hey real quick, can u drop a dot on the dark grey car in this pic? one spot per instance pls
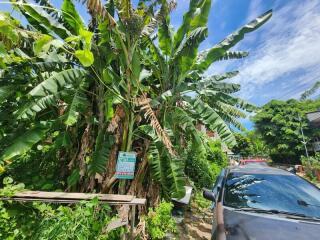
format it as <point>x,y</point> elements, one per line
<point>255,202</point>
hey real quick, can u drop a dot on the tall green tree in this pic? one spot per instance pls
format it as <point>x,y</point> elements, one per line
<point>278,124</point>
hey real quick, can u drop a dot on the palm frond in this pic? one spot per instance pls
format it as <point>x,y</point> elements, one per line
<point>6,91</point>
<point>200,16</point>
<point>158,167</point>
<point>158,17</point>
<point>165,169</point>
<point>184,121</point>
<point>57,82</point>
<point>235,101</point>
<point>310,91</point>
<point>42,21</point>
<point>164,33</point>
<point>228,99</point>
<point>77,106</point>
<point>71,18</point>
<point>228,109</point>
<point>224,76</point>
<point>219,50</point>
<point>155,53</point>
<point>101,154</point>
<point>197,16</point>
<point>211,118</point>
<point>229,114</point>
<point>124,7</point>
<point>30,109</point>
<point>211,83</point>
<point>177,176</point>
<point>234,55</point>
<point>95,7</point>
<point>144,103</point>
<point>187,51</point>
<point>24,143</point>
<point>233,121</point>
<point>49,8</point>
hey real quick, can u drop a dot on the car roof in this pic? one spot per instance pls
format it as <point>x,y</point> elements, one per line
<point>252,160</point>
<point>258,169</point>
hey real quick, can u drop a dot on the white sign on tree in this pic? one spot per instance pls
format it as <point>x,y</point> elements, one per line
<point>126,165</point>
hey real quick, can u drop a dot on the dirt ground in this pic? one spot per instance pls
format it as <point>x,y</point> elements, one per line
<point>196,224</point>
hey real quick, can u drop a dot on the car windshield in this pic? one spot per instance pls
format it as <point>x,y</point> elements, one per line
<point>287,193</point>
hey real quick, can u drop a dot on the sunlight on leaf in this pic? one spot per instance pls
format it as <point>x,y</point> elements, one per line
<point>85,57</point>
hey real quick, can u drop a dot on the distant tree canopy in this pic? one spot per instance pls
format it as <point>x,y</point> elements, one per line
<point>250,144</point>
<point>242,147</point>
<point>278,124</point>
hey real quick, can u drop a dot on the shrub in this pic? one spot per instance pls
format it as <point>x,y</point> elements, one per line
<point>312,161</point>
<point>16,221</point>
<point>85,220</point>
<point>199,171</point>
<point>7,224</point>
<point>215,170</point>
<point>204,164</point>
<point>200,201</point>
<point>159,221</point>
<point>9,188</point>
<point>216,155</point>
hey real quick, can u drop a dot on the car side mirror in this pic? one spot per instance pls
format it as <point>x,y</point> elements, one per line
<point>208,194</point>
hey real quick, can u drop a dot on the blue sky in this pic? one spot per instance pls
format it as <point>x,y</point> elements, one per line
<point>284,57</point>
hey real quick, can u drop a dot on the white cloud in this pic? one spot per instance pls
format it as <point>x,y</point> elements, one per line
<point>255,9</point>
<point>285,58</point>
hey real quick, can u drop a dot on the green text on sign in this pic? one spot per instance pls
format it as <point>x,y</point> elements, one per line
<point>126,165</point>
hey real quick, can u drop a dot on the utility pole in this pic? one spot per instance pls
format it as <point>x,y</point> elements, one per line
<point>303,138</point>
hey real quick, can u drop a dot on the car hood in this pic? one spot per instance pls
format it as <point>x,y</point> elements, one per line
<point>253,226</point>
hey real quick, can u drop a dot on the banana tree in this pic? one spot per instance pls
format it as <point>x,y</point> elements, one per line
<point>91,102</point>
<point>117,84</point>
<point>185,95</point>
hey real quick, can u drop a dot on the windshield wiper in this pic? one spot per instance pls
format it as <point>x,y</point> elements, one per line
<point>292,215</point>
<point>272,211</point>
<point>305,204</point>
